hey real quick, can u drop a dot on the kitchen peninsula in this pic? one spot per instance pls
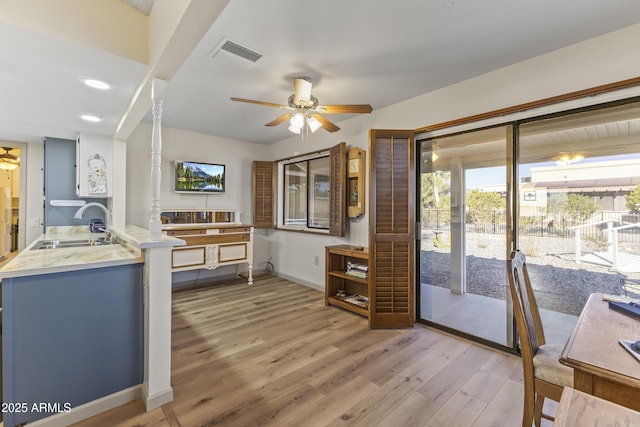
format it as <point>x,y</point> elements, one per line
<point>74,328</point>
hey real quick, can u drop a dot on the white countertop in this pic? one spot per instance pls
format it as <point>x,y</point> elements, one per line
<point>44,261</point>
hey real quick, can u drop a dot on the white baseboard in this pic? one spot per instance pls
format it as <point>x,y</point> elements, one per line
<point>301,281</point>
<point>158,399</point>
<point>90,409</point>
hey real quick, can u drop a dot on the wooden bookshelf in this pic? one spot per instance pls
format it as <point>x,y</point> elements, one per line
<point>355,288</point>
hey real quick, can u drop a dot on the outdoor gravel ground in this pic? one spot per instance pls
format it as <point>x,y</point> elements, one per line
<point>559,282</point>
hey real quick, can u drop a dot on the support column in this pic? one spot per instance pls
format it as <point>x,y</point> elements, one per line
<point>157,97</point>
<point>458,269</point>
<point>157,389</point>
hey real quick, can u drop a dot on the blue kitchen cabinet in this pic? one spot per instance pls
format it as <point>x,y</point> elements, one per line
<point>70,338</point>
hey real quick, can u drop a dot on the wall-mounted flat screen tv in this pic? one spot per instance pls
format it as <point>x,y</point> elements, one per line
<point>199,177</point>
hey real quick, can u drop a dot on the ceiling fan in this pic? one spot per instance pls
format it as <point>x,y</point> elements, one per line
<point>7,160</point>
<point>305,109</point>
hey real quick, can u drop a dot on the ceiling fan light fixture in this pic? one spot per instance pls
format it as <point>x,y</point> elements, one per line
<point>295,130</point>
<point>569,158</point>
<point>8,166</point>
<point>313,124</point>
<point>297,120</point>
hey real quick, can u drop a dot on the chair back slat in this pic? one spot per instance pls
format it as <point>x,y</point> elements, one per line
<point>525,307</point>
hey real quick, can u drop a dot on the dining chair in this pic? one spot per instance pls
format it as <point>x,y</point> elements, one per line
<point>631,287</point>
<point>544,375</point>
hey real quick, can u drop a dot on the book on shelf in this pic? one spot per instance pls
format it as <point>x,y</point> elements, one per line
<point>356,273</point>
<point>357,266</point>
<point>358,300</point>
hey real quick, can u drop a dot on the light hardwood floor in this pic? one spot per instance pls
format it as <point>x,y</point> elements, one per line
<point>273,354</point>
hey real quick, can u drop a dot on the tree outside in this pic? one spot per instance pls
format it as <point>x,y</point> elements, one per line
<point>482,206</point>
<point>436,197</point>
<point>633,200</point>
<point>436,187</point>
<point>580,208</point>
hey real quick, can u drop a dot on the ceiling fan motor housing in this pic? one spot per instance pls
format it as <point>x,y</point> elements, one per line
<point>302,91</point>
<point>308,105</point>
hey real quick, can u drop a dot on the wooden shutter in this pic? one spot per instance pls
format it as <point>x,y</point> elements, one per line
<point>391,229</point>
<point>338,189</point>
<point>264,194</point>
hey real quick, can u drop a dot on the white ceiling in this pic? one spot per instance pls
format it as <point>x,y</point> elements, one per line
<point>355,51</point>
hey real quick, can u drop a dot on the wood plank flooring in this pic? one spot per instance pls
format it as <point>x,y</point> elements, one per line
<point>273,354</point>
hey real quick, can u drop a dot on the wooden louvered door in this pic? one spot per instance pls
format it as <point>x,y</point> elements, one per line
<point>264,194</point>
<point>391,229</point>
<point>337,193</point>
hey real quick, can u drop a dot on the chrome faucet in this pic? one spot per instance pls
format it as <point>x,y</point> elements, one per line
<point>107,227</point>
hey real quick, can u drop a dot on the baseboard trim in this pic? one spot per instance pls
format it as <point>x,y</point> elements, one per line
<point>89,409</point>
<point>157,400</point>
<point>301,281</point>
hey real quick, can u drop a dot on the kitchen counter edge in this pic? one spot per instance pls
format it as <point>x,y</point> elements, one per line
<point>46,261</point>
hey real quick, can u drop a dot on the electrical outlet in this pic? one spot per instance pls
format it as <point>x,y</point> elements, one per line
<point>35,222</point>
<point>317,260</point>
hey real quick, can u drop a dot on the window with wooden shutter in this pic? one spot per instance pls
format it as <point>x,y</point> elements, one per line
<point>263,194</point>
<point>312,193</point>
<point>391,228</point>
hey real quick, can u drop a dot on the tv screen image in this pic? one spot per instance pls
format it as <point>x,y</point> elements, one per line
<point>199,177</point>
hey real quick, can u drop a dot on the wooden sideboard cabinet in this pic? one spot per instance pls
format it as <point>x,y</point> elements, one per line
<point>347,278</point>
<point>213,239</point>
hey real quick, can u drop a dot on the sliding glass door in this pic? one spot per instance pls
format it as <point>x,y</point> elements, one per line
<point>578,222</point>
<point>465,234</point>
<point>563,188</point>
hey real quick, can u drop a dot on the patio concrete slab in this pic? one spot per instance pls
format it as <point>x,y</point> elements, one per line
<point>627,263</point>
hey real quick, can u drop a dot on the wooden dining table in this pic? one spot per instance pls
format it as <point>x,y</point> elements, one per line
<point>601,366</point>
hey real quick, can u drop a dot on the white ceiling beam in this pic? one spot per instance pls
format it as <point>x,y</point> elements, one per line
<point>169,49</point>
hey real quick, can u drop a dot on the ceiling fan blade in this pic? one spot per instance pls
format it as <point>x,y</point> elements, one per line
<point>268,104</point>
<point>329,126</point>
<point>279,120</point>
<point>345,109</point>
<point>301,90</point>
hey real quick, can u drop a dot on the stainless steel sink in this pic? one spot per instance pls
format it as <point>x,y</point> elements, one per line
<point>56,244</point>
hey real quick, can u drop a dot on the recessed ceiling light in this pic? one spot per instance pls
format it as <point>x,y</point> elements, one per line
<point>95,83</point>
<point>90,118</point>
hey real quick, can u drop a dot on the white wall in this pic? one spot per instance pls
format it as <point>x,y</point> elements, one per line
<point>31,202</point>
<point>117,203</point>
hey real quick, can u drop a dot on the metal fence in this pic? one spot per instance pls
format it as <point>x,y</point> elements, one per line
<point>553,225</point>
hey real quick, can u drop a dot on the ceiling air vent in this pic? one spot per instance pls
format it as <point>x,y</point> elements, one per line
<point>231,53</point>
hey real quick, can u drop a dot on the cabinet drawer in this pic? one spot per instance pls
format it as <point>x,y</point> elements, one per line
<point>234,230</point>
<point>186,232</point>
<point>228,253</point>
<point>215,238</point>
<point>187,257</point>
